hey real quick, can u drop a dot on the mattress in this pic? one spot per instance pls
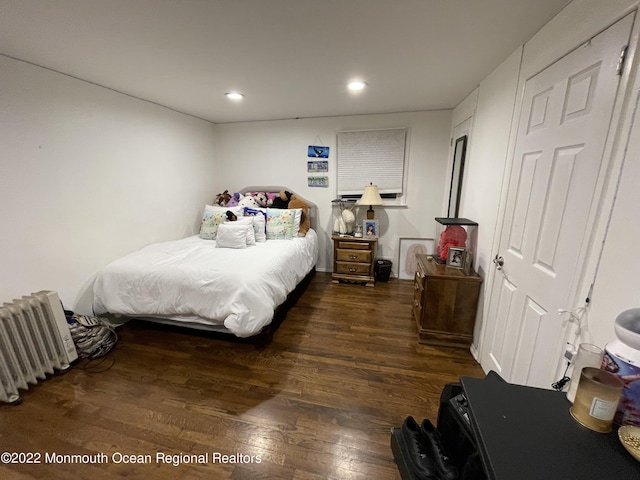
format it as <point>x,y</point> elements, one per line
<point>194,282</point>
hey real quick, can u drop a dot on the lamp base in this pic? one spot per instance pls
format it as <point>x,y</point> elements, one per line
<point>370,213</point>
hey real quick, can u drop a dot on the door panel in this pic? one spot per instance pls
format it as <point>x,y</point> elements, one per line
<point>565,118</point>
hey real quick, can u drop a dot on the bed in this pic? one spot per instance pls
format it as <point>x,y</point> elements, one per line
<point>194,282</point>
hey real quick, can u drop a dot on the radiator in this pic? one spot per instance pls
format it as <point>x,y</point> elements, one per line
<point>34,341</point>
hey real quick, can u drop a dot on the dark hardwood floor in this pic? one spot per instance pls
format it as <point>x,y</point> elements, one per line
<point>317,402</point>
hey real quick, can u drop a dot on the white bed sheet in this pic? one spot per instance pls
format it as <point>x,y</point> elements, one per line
<point>194,281</point>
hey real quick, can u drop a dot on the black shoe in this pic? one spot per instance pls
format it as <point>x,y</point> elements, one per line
<point>443,465</point>
<point>411,442</point>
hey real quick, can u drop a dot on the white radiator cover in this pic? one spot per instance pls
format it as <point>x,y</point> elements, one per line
<point>34,341</point>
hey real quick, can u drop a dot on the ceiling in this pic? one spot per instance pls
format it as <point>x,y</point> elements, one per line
<point>290,58</point>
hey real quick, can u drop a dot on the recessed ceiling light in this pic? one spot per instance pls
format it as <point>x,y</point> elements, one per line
<point>356,85</point>
<point>234,96</point>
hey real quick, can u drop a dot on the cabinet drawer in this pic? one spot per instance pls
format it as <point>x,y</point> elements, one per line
<point>353,245</point>
<point>363,256</point>
<point>352,268</point>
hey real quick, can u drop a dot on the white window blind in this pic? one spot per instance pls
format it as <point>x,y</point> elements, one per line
<point>371,156</point>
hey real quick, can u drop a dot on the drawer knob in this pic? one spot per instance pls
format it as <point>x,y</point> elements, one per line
<point>353,257</point>
<point>352,270</point>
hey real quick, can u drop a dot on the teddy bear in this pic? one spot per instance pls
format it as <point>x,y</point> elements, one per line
<point>222,198</point>
<point>305,222</point>
<point>452,236</point>
<point>282,200</point>
<point>234,200</point>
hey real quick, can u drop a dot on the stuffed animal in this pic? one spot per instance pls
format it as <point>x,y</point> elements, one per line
<point>305,222</point>
<point>234,200</point>
<point>222,198</point>
<point>261,198</point>
<point>270,198</point>
<point>231,217</point>
<point>248,201</point>
<point>282,201</point>
<point>349,218</point>
<point>452,236</point>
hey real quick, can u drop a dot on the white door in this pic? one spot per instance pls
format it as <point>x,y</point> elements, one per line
<point>565,118</point>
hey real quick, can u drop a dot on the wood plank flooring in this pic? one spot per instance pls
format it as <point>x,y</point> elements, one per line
<point>317,402</point>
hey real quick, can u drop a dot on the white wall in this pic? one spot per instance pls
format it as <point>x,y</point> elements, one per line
<point>489,160</point>
<point>616,284</point>
<point>487,154</point>
<point>88,175</point>
<point>275,153</point>
<point>486,163</point>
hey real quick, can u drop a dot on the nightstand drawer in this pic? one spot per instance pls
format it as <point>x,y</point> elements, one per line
<point>362,256</point>
<point>353,244</point>
<point>350,268</point>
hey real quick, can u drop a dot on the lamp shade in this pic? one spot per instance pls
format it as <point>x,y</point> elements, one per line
<point>371,196</point>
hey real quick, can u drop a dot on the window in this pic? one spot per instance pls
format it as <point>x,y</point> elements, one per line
<point>371,156</point>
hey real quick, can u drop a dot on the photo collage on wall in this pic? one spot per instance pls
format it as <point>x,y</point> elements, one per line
<point>316,168</point>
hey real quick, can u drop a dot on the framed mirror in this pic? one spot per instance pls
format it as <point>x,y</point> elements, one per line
<point>456,176</point>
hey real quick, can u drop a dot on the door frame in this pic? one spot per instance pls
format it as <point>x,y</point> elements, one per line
<point>601,206</point>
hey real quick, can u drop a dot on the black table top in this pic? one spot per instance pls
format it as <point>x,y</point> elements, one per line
<point>528,433</point>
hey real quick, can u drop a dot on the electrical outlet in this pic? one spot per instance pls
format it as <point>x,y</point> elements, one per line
<point>570,352</point>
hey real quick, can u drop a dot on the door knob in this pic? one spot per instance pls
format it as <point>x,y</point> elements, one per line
<point>499,261</point>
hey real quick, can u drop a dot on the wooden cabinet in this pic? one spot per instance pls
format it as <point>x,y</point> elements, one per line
<point>444,303</point>
<point>353,259</point>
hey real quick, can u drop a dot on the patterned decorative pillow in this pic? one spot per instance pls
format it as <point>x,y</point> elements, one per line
<point>212,217</point>
<point>280,224</point>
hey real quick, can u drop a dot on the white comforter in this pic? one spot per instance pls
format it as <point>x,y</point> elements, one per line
<point>193,280</point>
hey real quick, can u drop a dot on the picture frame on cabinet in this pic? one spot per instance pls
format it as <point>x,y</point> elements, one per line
<point>455,257</point>
<point>370,228</point>
<point>409,248</point>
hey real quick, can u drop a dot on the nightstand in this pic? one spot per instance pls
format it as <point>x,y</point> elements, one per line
<point>353,259</point>
<point>444,303</point>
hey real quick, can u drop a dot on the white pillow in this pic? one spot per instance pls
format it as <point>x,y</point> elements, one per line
<point>296,222</point>
<point>232,235</point>
<point>251,234</point>
<point>259,226</point>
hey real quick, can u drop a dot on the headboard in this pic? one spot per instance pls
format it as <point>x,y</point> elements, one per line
<point>313,209</point>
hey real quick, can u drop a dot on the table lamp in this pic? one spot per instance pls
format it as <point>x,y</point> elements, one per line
<point>370,197</point>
